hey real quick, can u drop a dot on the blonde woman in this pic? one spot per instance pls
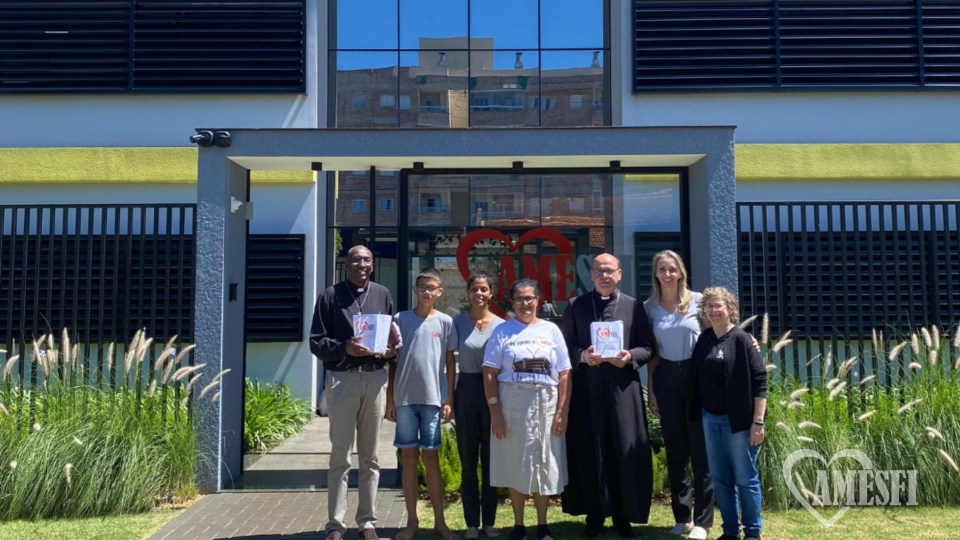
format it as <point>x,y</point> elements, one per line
<point>672,310</point>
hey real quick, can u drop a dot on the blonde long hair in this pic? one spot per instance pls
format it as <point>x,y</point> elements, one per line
<point>686,295</point>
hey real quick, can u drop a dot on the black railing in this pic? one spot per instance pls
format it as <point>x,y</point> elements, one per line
<point>833,273</point>
<point>105,272</point>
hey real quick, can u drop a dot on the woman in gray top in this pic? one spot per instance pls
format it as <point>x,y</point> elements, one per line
<point>672,310</point>
<point>471,413</point>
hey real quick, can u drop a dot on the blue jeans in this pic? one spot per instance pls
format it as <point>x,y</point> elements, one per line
<point>418,425</point>
<point>733,465</point>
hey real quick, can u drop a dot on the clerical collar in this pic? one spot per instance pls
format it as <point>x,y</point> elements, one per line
<point>605,298</point>
<point>360,289</point>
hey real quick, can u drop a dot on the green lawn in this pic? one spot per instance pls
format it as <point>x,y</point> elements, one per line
<point>856,524</point>
<point>127,527</point>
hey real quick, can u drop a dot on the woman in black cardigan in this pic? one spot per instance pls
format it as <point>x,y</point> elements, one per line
<point>731,401</point>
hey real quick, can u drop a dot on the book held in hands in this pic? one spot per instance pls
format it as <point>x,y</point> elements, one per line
<point>607,338</point>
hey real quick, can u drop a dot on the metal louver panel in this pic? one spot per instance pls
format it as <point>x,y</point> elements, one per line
<point>853,42</point>
<point>697,44</point>
<point>236,46</point>
<point>275,287</point>
<point>64,46</point>
<point>941,42</point>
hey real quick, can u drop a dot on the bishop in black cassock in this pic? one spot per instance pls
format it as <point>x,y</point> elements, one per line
<point>608,446</point>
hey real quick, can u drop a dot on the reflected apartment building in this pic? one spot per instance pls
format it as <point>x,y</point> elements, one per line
<point>451,86</point>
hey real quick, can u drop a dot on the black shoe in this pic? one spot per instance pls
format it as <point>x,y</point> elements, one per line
<point>543,533</point>
<point>625,530</point>
<point>519,532</point>
<point>592,530</point>
<point>729,537</point>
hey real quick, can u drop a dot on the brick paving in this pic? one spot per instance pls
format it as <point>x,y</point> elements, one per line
<point>275,516</point>
<point>283,495</point>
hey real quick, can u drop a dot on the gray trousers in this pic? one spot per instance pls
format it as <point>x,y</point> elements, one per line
<point>356,402</point>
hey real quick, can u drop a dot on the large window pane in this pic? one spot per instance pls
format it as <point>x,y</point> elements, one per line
<point>571,88</point>
<point>511,24</point>
<point>367,89</point>
<point>504,88</point>
<point>433,24</point>
<point>571,24</point>
<point>438,201</point>
<point>352,205</point>
<point>433,89</point>
<point>367,24</point>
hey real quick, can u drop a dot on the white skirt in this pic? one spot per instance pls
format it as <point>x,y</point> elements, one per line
<point>530,459</point>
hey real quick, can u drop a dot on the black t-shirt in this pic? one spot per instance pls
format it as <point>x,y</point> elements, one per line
<point>713,387</point>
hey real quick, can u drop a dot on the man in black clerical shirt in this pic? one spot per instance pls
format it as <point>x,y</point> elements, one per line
<point>608,448</point>
<point>355,389</point>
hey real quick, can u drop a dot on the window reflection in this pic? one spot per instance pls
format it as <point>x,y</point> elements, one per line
<point>571,88</point>
<point>511,24</point>
<point>571,24</point>
<point>502,85</point>
<point>366,89</point>
<point>434,86</point>
<point>436,76</point>
<point>435,19</point>
<point>367,24</point>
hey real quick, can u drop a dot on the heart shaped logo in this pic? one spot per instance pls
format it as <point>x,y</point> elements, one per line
<point>542,342</point>
<point>789,477</point>
<point>603,333</point>
<point>539,272</point>
<point>362,326</point>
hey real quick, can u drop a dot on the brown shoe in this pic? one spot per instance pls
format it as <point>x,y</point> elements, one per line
<point>368,534</point>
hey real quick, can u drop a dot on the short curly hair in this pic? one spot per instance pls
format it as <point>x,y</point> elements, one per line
<point>733,306</point>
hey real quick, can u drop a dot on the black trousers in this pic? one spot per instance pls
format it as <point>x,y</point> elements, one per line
<point>472,416</point>
<point>684,443</point>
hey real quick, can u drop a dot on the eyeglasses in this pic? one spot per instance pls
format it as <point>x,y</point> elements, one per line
<point>427,288</point>
<point>604,272</point>
<point>361,260</point>
<point>716,306</point>
<point>523,300</point>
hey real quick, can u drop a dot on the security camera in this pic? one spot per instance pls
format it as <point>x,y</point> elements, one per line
<point>203,138</point>
<point>222,139</point>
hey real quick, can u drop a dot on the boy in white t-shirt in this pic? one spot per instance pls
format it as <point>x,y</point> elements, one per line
<point>414,398</point>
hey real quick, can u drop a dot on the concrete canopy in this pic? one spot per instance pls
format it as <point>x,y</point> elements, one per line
<point>706,152</point>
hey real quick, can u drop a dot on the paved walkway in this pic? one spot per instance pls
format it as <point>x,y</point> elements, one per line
<point>282,495</point>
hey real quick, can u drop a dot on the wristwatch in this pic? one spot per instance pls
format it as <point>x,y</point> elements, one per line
<point>493,400</point>
<point>761,424</point>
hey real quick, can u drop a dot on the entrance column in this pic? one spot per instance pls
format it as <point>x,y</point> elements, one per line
<point>219,316</point>
<point>713,215</point>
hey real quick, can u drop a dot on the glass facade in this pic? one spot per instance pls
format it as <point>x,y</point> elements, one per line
<point>462,63</point>
<point>543,226</point>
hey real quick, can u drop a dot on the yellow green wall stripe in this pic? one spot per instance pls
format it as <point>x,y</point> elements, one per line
<point>115,165</point>
<point>847,161</point>
<point>754,162</point>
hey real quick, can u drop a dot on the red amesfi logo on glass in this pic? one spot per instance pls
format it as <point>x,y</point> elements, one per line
<point>603,333</point>
<point>537,270</point>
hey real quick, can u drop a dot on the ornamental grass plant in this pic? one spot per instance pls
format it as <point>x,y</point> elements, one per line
<point>910,421</point>
<point>76,443</point>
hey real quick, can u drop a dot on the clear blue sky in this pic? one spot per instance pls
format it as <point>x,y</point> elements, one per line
<point>372,24</point>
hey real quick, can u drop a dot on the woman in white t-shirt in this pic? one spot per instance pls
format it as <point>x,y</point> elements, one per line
<point>526,371</point>
<point>672,310</point>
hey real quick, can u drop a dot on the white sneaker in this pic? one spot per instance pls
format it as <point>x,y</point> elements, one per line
<point>681,528</point>
<point>698,533</point>
<point>491,531</point>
